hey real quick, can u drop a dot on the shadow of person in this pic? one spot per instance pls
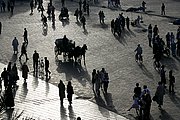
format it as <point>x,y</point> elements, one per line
<point>47,88</point>
<point>104,26</point>
<point>54,27</point>
<point>146,72</point>
<point>24,92</point>
<point>14,58</point>
<point>35,83</point>
<point>71,112</point>
<point>85,32</point>
<point>63,113</point>
<point>64,22</point>
<point>175,99</point>
<point>78,23</point>
<point>101,106</point>
<point>165,116</point>
<point>109,102</point>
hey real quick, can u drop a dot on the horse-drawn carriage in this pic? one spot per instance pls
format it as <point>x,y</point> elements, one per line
<point>64,14</point>
<point>69,51</point>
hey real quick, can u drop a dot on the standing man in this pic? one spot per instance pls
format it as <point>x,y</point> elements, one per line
<point>4,76</point>
<point>163,9</point>
<point>171,82</point>
<point>35,61</point>
<point>25,71</point>
<point>0,27</point>
<point>61,87</point>
<point>31,5</point>
<point>70,92</point>
<point>25,36</point>
<point>47,67</point>
<point>160,91</point>
<point>15,44</point>
<point>127,23</point>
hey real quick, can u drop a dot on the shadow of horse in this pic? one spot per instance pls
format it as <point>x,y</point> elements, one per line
<point>74,71</point>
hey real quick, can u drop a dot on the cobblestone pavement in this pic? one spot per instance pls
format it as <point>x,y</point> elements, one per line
<point>39,100</point>
<point>116,55</point>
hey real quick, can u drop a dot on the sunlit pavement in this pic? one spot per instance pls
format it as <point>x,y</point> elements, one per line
<point>115,54</point>
<point>37,99</point>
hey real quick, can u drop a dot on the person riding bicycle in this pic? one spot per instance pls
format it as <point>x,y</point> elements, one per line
<point>138,51</point>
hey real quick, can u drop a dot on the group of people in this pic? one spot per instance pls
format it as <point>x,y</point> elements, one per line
<point>119,24</point>
<point>100,79</point>
<point>101,17</point>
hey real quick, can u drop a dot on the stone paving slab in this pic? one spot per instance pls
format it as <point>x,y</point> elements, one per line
<point>38,99</point>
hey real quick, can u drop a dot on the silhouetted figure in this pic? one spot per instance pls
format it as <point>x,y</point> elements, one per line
<point>23,51</point>
<point>3,5</point>
<point>101,17</point>
<point>80,4</point>
<point>171,82</point>
<point>35,61</point>
<point>32,6</point>
<point>61,87</point>
<point>11,7</point>
<point>70,92</point>
<point>163,9</point>
<point>168,40</point>
<point>127,23</point>
<point>84,6</point>
<point>144,6</point>
<point>83,21</point>
<point>163,75</point>
<point>155,31</point>
<point>15,45</point>
<point>76,14</point>
<point>94,77</point>
<point>25,36</point>
<point>9,98</point>
<point>25,71</point>
<point>78,118</point>
<point>106,82</point>
<point>87,8</point>
<point>4,76</point>
<point>15,76</point>
<point>160,92</point>
<point>137,90</point>
<point>62,1</point>
<point>47,67</point>
<point>98,83</point>
<point>0,27</point>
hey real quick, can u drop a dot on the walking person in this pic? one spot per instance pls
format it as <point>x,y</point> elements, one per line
<point>23,51</point>
<point>15,45</point>
<point>160,91</point>
<point>3,5</point>
<point>15,76</point>
<point>106,82</point>
<point>0,27</point>
<point>94,77</point>
<point>35,61</point>
<point>31,6</point>
<point>70,92</point>
<point>76,14</point>
<point>9,98</point>
<point>155,31</point>
<point>25,71</point>
<point>98,83</point>
<point>25,36</point>
<point>168,40</point>
<point>47,68</point>
<point>4,76</point>
<point>163,9</point>
<point>83,21</point>
<point>137,90</point>
<point>127,23</point>
<point>61,87</point>
<point>163,75</point>
<point>171,82</point>
<point>11,8</point>
<point>150,38</point>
